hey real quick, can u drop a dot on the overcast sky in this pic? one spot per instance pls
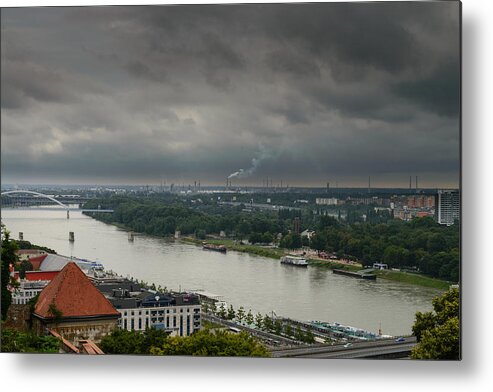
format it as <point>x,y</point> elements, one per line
<point>300,93</point>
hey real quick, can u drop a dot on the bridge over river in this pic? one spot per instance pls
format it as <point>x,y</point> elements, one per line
<point>42,198</point>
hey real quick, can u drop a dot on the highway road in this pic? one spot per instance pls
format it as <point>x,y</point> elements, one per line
<point>356,350</point>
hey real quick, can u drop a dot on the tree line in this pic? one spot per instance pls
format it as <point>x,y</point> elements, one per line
<point>202,343</point>
<point>421,244</point>
<point>261,322</point>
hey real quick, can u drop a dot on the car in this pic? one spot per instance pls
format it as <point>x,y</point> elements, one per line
<point>399,340</point>
<point>348,345</point>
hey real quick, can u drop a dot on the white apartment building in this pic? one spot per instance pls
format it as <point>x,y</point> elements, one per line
<point>447,206</point>
<point>178,320</point>
<point>330,201</point>
<point>27,290</point>
<point>177,313</point>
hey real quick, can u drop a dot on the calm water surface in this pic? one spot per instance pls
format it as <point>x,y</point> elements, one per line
<point>257,283</point>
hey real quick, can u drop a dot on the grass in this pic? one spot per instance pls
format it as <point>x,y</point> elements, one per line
<point>415,279</point>
<point>397,276</point>
<point>273,253</point>
<point>333,265</point>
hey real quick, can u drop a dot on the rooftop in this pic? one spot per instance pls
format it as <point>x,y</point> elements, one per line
<point>74,295</point>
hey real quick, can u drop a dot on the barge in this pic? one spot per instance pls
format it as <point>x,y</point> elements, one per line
<point>217,248</point>
<point>358,274</point>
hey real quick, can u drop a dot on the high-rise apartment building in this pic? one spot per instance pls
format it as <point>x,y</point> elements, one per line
<point>447,206</point>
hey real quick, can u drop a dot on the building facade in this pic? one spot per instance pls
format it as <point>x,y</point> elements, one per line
<point>326,201</point>
<point>447,206</point>
<point>177,313</point>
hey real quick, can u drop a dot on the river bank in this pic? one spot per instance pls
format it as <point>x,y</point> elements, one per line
<point>276,253</point>
<point>273,253</point>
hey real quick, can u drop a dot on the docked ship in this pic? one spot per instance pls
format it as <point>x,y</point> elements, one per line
<point>217,248</point>
<point>294,260</point>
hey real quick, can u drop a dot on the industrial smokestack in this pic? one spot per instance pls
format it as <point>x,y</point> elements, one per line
<point>369,184</point>
<point>410,182</point>
<point>416,183</point>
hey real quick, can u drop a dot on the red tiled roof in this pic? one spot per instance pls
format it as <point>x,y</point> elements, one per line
<point>41,275</point>
<point>36,261</point>
<point>74,295</point>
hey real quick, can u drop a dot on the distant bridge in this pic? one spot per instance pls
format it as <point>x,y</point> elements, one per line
<point>43,196</point>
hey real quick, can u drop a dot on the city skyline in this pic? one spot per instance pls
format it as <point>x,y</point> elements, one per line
<point>306,94</point>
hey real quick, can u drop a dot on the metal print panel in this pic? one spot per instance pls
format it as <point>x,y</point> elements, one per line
<point>257,180</point>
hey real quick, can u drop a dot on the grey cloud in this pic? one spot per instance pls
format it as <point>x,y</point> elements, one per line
<point>140,70</point>
<point>438,92</point>
<point>194,91</point>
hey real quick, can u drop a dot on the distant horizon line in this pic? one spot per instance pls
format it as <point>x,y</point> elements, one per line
<point>227,187</point>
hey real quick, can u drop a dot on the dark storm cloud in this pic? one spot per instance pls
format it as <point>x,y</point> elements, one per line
<point>308,92</point>
<point>439,92</point>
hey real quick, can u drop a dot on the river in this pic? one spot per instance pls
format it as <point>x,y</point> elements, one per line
<point>256,283</point>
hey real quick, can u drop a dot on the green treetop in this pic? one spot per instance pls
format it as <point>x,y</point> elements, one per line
<point>438,332</point>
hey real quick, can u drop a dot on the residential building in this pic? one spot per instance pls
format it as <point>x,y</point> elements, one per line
<point>447,206</point>
<point>33,283</point>
<point>296,225</point>
<point>331,201</point>
<point>420,201</point>
<point>177,313</point>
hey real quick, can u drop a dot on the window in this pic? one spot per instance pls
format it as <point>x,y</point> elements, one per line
<point>140,323</point>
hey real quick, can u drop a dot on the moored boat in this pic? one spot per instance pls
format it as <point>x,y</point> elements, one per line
<point>217,248</point>
<point>294,260</point>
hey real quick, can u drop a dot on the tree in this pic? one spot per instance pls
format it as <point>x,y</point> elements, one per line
<point>249,317</point>
<point>217,344</point>
<point>222,312</point>
<point>309,337</point>
<point>277,327</point>
<point>268,324</point>
<point>298,335</point>
<point>9,256</point>
<point>288,329</point>
<point>438,332</point>
<point>25,266</point>
<point>259,321</point>
<point>19,342</point>
<point>240,314</point>
<point>121,341</point>
<point>231,313</point>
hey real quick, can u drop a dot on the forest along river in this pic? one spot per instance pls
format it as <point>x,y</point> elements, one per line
<point>257,283</point>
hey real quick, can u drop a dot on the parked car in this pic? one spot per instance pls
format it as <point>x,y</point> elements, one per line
<point>348,345</point>
<point>399,340</point>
